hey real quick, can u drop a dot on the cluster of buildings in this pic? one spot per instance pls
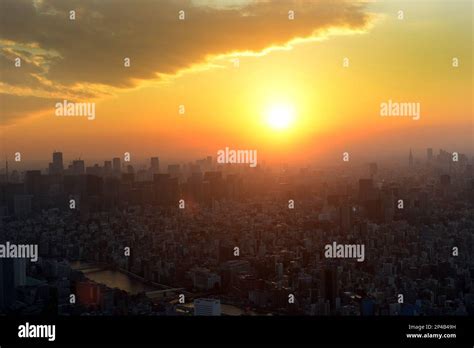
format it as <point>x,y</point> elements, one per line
<point>252,238</point>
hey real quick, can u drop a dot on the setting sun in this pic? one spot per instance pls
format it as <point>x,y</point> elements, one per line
<point>280,116</point>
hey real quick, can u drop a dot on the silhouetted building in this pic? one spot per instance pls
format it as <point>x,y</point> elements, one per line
<point>154,165</point>
<point>56,167</point>
<point>107,168</point>
<point>116,165</point>
<point>429,154</point>
<point>78,167</point>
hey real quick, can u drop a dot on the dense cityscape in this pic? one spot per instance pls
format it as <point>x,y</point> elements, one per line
<point>205,238</point>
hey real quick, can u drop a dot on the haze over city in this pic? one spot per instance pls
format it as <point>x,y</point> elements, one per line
<point>190,158</point>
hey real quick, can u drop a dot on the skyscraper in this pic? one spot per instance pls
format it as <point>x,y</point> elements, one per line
<point>78,167</point>
<point>57,166</point>
<point>429,154</point>
<point>116,165</point>
<point>107,168</point>
<point>410,159</point>
<point>154,165</point>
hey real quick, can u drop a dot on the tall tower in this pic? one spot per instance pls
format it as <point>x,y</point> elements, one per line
<point>410,159</point>
<point>57,167</point>
<point>154,165</point>
<point>116,165</point>
<point>429,154</point>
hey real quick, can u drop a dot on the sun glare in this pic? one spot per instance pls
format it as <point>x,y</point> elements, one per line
<point>280,116</point>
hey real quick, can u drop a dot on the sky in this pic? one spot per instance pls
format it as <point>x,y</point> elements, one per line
<point>235,66</point>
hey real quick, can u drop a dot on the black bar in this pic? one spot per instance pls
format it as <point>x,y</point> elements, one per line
<point>290,330</point>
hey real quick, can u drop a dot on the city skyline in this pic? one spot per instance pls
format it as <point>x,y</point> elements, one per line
<point>417,157</point>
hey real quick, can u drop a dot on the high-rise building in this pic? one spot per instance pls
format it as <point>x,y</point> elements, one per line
<point>78,167</point>
<point>57,165</point>
<point>207,307</point>
<point>388,204</point>
<point>410,159</point>
<point>429,154</point>
<point>154,165</point>
<point>116,165</point>
<point>107,168</point>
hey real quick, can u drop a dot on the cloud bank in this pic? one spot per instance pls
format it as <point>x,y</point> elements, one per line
<point>83,58</point>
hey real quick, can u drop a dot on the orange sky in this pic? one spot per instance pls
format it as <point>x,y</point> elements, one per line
<point>281,62</point>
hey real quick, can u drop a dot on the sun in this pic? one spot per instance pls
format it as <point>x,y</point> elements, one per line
<point>280,116</point>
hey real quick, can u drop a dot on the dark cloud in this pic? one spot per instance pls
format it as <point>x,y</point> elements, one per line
<point>91,49</point>
<point>18,76</point>
<point>14,106</point>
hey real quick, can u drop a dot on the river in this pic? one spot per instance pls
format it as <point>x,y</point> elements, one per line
<point>111,278</point>
<point>117,279</point>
